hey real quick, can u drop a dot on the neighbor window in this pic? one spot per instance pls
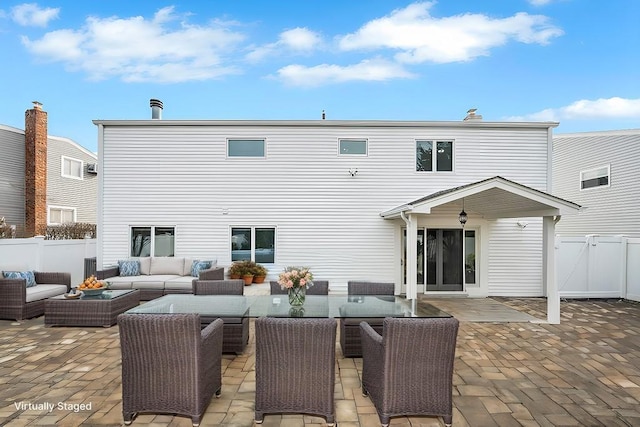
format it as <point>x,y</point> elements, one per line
<point>245,148</point>
<point>442,161</point>
<point>253,243</point>
<point>60,215</point>
<point>71,168</point>
<point>162,243</point>
<point>352,147</point>
<point>598,177</point>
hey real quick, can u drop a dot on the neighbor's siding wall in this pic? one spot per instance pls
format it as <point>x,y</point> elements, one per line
<point>610,210</point>
<point>180,176</point>
<point>12,177</point>
<point>69,192</point>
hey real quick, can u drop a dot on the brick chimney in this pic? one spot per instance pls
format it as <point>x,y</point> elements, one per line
<point>35,173</point>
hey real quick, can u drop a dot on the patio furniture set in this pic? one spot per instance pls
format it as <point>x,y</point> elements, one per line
<point>407,353</point>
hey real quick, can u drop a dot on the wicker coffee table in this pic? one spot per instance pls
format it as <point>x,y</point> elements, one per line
<point>101,310</point>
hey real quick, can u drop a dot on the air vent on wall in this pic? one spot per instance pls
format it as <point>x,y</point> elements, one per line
<point>92,168</point>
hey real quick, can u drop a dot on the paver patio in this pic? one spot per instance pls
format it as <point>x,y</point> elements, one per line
<point>583,372</point>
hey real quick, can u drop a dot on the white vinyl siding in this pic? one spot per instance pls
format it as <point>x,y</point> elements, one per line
<point>12,177</point>
<point>608,210</point>
<point>326,219</point>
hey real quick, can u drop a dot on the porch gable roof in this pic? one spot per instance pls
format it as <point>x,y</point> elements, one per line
<point>493,198</point>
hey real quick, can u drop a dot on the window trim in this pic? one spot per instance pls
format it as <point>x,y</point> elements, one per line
<point>608,175</point>
<point>62,208</point>
<point>72,159</point>
<point>434,158</point>
<point>252,243</point>
<point>264,148</point>
<point>366,147</point>
<point>152,248</point>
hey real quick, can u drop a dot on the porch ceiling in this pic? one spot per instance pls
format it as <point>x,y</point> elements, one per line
<point>492,198</point>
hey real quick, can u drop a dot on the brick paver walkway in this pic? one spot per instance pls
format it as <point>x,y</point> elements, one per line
<point>583,372</point>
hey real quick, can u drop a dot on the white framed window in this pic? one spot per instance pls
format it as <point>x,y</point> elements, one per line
<point>597,177</point>
<point>71,168</point>
<point>246,148</point>
<point>352,147</point>
<point>152,241</point>
<point>434,156</point>
<point>253,243</point>
<point>61,215</point>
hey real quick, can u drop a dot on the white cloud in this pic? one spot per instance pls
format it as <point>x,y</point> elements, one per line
<point>419,37</point>
<point>609,108</point>
<point>297,40</point>
<point>367,70</point>
<point>539,2</point>
<point>30,14</point>
<point>138,49</point>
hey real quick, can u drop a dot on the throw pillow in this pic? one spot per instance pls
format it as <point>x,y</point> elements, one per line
<point>28,276</point>
<point>129,267</point>
<point>198,266</point>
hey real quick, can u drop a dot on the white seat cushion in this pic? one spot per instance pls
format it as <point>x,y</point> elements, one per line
<point>182,282</point>
<point>44,291</point>
<point>154,281</point>
<point>167,265</point>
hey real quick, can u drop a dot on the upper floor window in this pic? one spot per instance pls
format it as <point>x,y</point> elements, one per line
<point>598,177</point>
<point>442,161</point>
<point>352,147</point>
<point>245,148</point>
<point>253,243</point>
<point>61,215</point>
<point>71,168</point>
<point>152,241</point>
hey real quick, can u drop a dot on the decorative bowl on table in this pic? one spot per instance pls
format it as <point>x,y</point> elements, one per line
<point>94,290</point>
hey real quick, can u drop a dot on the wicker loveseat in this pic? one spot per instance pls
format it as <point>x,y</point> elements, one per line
<point>18,301</point>
<point>157,276</point>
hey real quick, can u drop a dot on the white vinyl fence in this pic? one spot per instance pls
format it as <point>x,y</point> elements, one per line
<point>598,267</point>
<point>47,255</point>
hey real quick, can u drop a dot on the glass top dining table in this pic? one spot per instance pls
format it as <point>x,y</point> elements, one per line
<point>336,306</point>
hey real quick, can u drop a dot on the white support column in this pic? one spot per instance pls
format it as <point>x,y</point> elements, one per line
<point>412,256</point>
<point>549,263</point>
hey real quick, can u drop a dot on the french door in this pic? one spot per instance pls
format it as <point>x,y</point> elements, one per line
<point>441,264</point>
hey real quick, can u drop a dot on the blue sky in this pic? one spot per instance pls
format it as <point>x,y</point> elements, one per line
<point>572,61</point>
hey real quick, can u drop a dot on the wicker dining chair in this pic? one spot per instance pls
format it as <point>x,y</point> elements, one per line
<point>350,327</point>
<point>320,287</point>
<point>295,366</point>
<point>409,369</point>
<point>169,365</point>
<point>236,329</point>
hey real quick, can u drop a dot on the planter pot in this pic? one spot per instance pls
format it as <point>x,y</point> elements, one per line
<point>248,279</point>
<point>258,279</point>
<point>234,276</point>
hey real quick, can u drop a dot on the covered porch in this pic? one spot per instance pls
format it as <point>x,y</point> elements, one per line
<point>480,206</point>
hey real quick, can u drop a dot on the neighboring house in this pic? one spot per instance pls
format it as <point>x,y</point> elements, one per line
<point>599,170</point>
<point>339,197</point>
<point>34,164</point>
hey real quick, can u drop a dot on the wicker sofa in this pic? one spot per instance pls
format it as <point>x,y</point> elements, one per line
<point>159,276</point>
<point>18,301</point>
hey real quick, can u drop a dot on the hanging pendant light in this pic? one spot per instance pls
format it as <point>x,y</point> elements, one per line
<point>462,216</point>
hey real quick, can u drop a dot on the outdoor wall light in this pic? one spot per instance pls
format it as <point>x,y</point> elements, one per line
<point>353,172</point>
<point>462,216</point>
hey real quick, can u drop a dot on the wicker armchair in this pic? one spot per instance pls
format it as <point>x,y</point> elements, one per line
<point>169,365</point>
<point>295,366</point>
<point>409,369</point>
<point>236,329</point>
<point>15,304</point>
<point>350,327</point>
<point>320,287</point>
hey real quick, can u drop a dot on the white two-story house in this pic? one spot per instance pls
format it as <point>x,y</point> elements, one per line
<point>353,200</point>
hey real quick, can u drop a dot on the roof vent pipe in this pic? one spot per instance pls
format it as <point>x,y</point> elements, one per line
<point>471,115</point>
<point>156,109</point>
